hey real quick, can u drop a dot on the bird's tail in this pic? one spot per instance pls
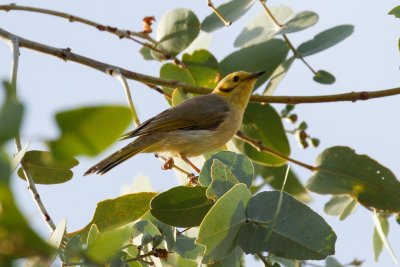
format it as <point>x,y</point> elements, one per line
<point>139,145</point>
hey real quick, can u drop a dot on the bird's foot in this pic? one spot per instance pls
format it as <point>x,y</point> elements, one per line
<point>193,179</point>
<point>168,164</point>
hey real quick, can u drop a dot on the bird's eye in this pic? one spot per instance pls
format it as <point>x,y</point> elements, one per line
<point>236,78</point>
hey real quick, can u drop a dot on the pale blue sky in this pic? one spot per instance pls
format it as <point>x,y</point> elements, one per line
<point>368,60</point>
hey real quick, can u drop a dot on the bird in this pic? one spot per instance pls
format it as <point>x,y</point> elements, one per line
<point>198,125</point>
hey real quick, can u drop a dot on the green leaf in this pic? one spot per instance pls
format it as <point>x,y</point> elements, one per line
<point>325,40</point>
<point>324,77</point>
<point>395,12</point>
<point>341,171</point>
<point>104,247</point>
<point>89,130</point>
<point>5,170</point>
<point>45,169</point>
<point>233,260</point>
<point>301,21</point>
<point>203,67</point>
<point>181,206</point>
<point>341,205</point>
<point>332,262</point>
<point>17,240</point>
<point>222,180</point>
<point>298,232</point>
<point>93,234</point>
<point>58,234</point>
<point>11,113</point>
<point>278,75</point>
<point>176,30</point>
<point>376,240</point>
<point>262,28</point>
<point>73,250</point>
<point>219,230</point>
<point>263,123</point>
<point>146,53</point>
<point>186,248</point>
<point>173,72</point>
<point>275,176</point>
<point>143,232</point>
<point>265,56</point>
<point>239,164</point>
<point>231,11</point>
<point>113,213</point>
<point>178,96</point>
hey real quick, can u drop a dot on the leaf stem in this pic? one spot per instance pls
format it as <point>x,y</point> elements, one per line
<point>117,74</point>
<point>220,16</point>
<point>270,14</point>
<point>257,144</point>
<point>66,54</point>
<point>29,179</point>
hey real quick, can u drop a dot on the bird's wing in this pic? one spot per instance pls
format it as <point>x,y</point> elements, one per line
<point>199,113</point>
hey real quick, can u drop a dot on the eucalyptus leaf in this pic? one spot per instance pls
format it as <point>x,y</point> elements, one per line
<point>324,77</point>
<point>263,123</point>
<point>266,56</point>
<point>341,205</point>
<point>89,130</point>
<point>238,164</point>
<point>176,30</point>
<point>278,75</point>
<point>45,169</point>
<point>296,232</point>
<point>181,206</point>
<point>219,230</point>
<point>222,180</point>
<point>275,177</point>
<point>113,213</point>
<point>186,247</point>
<point>231,11</point>
<point>262,28</point>
<point>341,171</point>
<point>395,12</point>
<point>325,40</point>
<point>301,21</point>
<point>376,240</point>
<point>104,247</point>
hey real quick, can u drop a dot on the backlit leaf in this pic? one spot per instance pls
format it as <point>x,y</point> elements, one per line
<point>341,171</point>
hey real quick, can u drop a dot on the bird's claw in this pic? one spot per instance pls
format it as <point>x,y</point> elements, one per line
<point>193,179</point>
<point>168,164</point>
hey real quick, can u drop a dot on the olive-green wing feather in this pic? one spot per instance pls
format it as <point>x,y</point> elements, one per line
<point>199,113</point>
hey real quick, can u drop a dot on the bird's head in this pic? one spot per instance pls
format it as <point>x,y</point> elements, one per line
<point>236,88</point>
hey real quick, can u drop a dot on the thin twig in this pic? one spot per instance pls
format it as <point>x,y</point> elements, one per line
<point>66,54</point>
<point>29,179</point>
<point>117,74</point>
<point>127,34</point>
<point>220,16</point>
<point>257,144</point>
<point>296,53</point>
<point>270,14</point>
<point>263,259</point>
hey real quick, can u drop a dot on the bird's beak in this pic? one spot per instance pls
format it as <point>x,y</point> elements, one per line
<point>255,75</point>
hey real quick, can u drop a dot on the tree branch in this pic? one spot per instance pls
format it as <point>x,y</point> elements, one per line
<point>219,15</point>
<point>257,144</point>
<point>127,34</point>
<point>31,184</point>
<point>66,54</point>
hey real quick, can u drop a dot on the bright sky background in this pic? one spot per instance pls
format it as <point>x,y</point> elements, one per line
<point>368,60</point>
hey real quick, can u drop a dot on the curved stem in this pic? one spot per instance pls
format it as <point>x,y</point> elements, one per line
<point>66,54</point>
<point>28,176</point>
<point>117,74</point>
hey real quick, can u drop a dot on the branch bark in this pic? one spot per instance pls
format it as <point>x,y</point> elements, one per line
<point>67,55</point>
